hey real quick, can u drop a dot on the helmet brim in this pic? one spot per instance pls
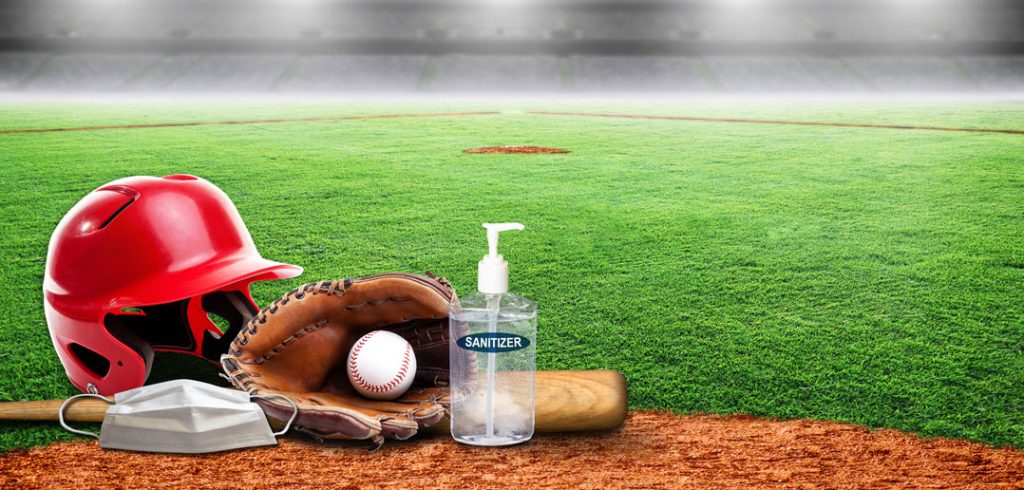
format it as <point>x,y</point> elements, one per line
<point>202,279</point>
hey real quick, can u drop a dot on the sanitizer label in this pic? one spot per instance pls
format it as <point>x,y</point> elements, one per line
<point>493,342</point>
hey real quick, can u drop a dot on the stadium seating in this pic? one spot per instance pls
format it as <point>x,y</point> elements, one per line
<point>459,46</point>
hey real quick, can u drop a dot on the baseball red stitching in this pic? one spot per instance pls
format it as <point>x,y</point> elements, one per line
<point>403,370</point>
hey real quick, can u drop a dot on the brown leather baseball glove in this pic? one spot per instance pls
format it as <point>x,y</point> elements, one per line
<point>298,346</point>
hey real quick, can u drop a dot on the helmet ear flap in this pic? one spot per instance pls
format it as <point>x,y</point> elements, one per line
<point>104,360</point>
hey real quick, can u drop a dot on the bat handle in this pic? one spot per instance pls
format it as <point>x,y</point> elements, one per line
<point>79,410</point>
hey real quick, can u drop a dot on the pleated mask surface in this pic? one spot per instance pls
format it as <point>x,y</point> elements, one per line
<point>182,416</point>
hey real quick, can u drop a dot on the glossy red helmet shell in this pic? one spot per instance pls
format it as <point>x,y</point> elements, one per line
<point>139,265</point>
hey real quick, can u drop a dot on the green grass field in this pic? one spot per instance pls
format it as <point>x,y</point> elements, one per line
<point>862,275</point>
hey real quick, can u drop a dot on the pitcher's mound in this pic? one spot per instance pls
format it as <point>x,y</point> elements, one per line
<point>515,150</point>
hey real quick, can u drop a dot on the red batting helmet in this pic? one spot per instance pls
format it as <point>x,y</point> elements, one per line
<point>139,265</point>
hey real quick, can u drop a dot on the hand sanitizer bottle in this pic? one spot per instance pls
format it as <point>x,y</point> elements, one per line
<point>493,356</point>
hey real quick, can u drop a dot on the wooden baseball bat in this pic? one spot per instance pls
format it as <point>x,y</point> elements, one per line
<point>566,401</point>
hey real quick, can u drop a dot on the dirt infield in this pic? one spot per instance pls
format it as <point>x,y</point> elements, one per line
<point>653,450</point>
<point>243,122</point>
<point>777,121</point>
<point>496,149</point>
<point>515,150</point>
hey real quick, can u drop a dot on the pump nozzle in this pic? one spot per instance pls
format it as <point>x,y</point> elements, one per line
<point>493,269</point>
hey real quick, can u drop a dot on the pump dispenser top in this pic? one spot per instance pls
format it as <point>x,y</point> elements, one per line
<point>493,269</point>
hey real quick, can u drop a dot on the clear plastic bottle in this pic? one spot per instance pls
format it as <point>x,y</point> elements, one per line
<point>493,357</point>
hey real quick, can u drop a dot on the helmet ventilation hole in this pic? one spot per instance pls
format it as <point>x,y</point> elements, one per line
<point>92,360</point>
<point>115,214</point>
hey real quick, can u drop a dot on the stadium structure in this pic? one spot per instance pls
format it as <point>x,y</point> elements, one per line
<point>557,46</point>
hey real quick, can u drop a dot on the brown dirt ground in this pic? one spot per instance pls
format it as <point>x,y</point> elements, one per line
<point>496,149</point>
<point>653,450</point>
<point>777,121</point>
<point>245,122</point>
<point>515,150</point>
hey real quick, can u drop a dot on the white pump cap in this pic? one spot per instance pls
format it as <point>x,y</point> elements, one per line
<point>493,269</point>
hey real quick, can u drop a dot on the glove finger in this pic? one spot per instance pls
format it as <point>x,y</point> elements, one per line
<point>334,421</point>
<point>397,419</point>
<point>424,411</point>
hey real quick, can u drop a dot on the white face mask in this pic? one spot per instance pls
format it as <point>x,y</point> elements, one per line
<point>182,416</point>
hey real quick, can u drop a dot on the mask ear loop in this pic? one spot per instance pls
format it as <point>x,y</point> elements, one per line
<point>60,414</point>
<point>290,402</point>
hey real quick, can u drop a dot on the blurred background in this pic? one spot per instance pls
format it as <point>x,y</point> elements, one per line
<point>592,47</point>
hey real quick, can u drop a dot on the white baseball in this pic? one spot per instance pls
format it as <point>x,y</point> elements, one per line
<point>381,365</point>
